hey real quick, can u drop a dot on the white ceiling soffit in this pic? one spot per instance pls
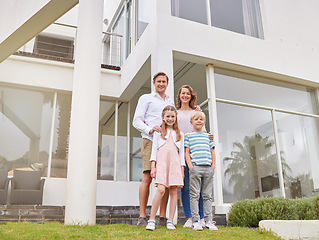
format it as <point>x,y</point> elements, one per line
<point>32,25</point>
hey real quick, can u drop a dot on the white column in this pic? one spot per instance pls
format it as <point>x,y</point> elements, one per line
<point>162,61</point>
<point>162,54</point>
<point>218,191</point>
<point>82,163</point>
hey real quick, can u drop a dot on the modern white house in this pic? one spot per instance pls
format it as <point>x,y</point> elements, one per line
<point>69,88</point>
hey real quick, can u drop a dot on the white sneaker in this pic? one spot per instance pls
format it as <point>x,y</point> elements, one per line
<point>197,226</point>
<point>202,222</point>
<point>150,225</point>
<point>188,223</point>
<point>211,225</point>
<point>170,225</point>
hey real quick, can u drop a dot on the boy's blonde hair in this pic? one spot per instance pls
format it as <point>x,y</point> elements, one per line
<point>198,114</point>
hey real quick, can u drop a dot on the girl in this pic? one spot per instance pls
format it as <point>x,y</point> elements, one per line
<point>167,164</point>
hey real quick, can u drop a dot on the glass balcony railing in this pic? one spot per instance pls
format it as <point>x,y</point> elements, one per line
<point>61,48</point>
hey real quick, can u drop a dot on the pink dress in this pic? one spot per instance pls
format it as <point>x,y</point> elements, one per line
<point>168,165</point>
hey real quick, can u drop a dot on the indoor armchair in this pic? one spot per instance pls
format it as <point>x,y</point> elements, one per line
<point>26,187</point>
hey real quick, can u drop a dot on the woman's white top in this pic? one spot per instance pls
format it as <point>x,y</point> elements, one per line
<point>158,141</point>
<point>184,121</point>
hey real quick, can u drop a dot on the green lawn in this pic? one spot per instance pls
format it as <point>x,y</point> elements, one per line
<point>53,230</point>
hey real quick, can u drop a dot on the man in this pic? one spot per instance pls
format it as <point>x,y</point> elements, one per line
<point>147,119</point>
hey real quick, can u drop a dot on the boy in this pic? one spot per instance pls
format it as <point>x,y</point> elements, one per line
<point>200,158</point>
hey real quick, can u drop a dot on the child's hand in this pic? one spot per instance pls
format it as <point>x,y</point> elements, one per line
<point>211,136</point>
<point>191,167</point>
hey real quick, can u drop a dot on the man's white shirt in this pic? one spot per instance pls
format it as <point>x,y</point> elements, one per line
<point>148,113</point>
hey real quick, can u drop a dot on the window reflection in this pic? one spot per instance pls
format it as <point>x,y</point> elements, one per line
<point>59,162</point>
<point>128,28</point>
<point>106,156</point>
<point>263,91</point>
<point>143,16</point>
<point>190,10</point>
<point>25,123</point>
<point>247,152</point>
<point>241,16</point>
<point>121,169</point>
<point>228,14</point>
<point>136,166</point>
<point>106,141</point>
<point>299,144</point>
<point>117,43</point>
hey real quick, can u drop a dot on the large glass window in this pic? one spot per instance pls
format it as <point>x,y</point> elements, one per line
<point>143,16</point>
<point>108,141</point>
<point>242,16</point>
<point>190,10</point>
<point>188,73</point>
<point>247,107</point>
<point>247,153</point>
<point>121,165</point>
<point>120,42</point>
<point>227,14</point>
<point>247,142</point>
<point>117,43</point>
<point>128,28</point>
<point>60,147</point>
<point>299,146</point>
<point>266,92</point>
<point>25,124</point>
<point>136,166</point>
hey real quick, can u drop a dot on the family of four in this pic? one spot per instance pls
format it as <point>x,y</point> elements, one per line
<point>178,153</point>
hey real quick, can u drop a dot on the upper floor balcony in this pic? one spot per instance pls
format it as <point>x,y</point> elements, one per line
<point>128,22</point>
<point>239,32</point>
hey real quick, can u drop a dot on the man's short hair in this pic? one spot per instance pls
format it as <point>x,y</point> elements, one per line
<point>160,74</point>
<point>198,114</point>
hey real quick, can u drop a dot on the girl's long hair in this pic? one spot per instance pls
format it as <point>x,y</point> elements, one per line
<point>193,100</point>
<point>175,125</point>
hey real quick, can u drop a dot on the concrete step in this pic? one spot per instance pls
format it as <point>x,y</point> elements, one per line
<point>292,229</point>
<point>104,214</point>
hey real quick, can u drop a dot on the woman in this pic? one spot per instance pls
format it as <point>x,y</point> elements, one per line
<point>186,103</point>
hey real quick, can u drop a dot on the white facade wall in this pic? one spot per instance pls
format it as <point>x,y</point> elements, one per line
<point>292,24</point>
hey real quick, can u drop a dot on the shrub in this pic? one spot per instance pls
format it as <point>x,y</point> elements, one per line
<point>248,212</point>
<point>306,208</point>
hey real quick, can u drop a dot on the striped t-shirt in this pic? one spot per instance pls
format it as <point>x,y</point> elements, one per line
<point>199,145</point>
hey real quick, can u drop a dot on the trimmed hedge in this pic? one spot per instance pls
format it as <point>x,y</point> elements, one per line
<point>248,212</point>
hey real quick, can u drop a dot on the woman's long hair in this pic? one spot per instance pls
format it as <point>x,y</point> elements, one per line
<point>175,125</point>
<point>193,100</point>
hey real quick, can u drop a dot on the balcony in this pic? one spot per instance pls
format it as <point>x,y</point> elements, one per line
<point>61,48</point>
